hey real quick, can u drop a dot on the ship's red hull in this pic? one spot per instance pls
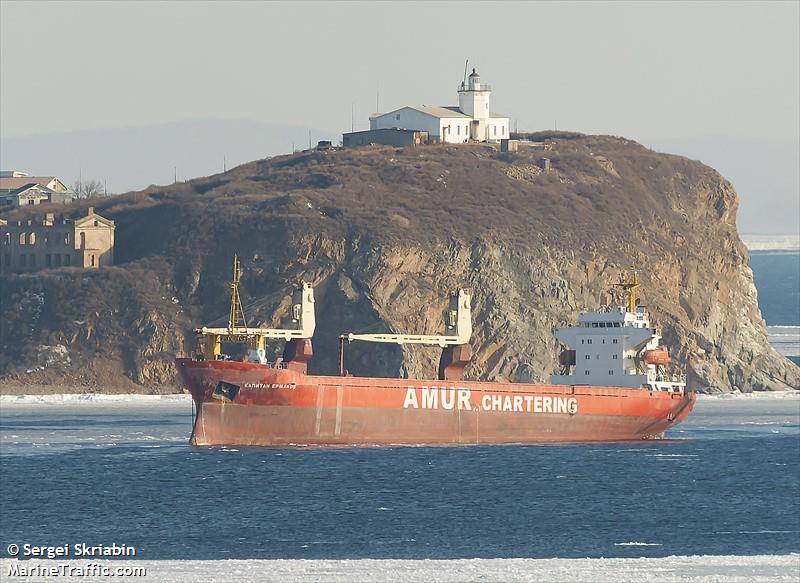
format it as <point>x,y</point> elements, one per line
<point>280,407</point>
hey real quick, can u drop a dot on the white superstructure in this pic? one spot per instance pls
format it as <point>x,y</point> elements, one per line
<point>616,347</point>
<point>472,119</point>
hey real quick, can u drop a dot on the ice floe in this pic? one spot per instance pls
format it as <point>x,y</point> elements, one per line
<point>692,569</point>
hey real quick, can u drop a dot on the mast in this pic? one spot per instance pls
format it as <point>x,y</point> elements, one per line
<point>630,289</point>
<point>236,312</point>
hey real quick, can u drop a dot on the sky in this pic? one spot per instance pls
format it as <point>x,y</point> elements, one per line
<point>656,72</point>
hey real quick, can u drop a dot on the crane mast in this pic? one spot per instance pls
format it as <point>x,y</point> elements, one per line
<point>457,324</point>
<point>237,331</point>
<point>456,351</point>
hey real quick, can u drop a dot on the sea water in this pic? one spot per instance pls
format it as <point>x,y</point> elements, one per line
<point>104,471</point>
<point>777,277</point>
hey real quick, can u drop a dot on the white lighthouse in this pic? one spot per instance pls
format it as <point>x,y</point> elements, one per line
<point>473,100</point>
<point>471,120</point>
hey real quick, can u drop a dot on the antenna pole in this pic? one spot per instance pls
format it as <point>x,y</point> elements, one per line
<point>224,163</point>
<point>466,66</point>
<point>352,116</point>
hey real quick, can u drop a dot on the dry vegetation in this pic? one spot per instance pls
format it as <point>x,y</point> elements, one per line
<point>604,195</point>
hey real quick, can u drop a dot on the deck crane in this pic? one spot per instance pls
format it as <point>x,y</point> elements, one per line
<point>454,342</point>
<point>298,337</point>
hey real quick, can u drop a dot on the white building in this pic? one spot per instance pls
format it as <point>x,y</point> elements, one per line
<point>19,189</point>
<point>472,119</point>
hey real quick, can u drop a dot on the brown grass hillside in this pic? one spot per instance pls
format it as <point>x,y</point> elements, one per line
<point>385,234</point>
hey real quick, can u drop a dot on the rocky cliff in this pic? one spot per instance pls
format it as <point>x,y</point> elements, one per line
<point>385,234</point>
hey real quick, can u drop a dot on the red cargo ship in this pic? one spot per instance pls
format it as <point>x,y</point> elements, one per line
<point>621,392</point>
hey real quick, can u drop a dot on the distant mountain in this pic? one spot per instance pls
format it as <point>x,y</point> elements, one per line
<point>136,157</point>
<point>765,173</point>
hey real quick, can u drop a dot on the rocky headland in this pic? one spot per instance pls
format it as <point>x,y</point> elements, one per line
<point>385,234</point>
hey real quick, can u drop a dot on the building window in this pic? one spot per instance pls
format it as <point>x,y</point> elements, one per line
<point>495,129</point>
<point>614,356</point>
<point>589,341</point>
<point>48,260</point>
<point>588,356</point>
<point>397,116</point>
<point>31,238</point>
<point>458,130</point>
<point>66,238</point>
<point>615,341</point>
<point>67,260</point>
<point>93,260</point>
<point>97,223</point>
<point>586,372</point>
<point>604,340</point>
<point>58,259</point>
<point>581,340</point>
<point>22,238</point>
<point>611,372</point>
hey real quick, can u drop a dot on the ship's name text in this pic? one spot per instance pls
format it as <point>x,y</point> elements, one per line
<point>269,385</point>
<point>461,398</point>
